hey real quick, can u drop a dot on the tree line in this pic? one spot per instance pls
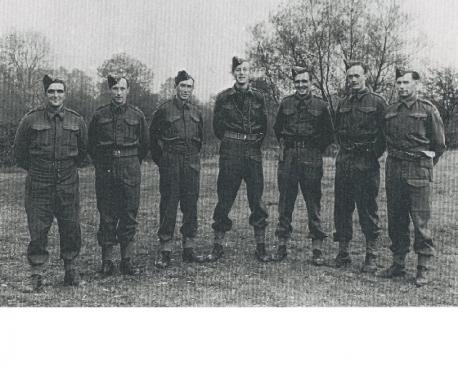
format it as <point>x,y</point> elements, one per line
<point>317,34</point>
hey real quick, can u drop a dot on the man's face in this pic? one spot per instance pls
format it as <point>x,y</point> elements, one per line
<point>184,89</point>
<point>242,73</point>
<point>119,92</point>
<point>302,83</point>
<point>56,95</point>
<point>356,77</point>
<point>406,86</point>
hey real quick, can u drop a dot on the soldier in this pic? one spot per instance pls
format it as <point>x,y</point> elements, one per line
<point>118,142</point>
<point>304,131</point>
<point>415,140</point>
<point>50,143</point>
<point>176,139</point>
<point>359,130</point>
<point>240,122</point>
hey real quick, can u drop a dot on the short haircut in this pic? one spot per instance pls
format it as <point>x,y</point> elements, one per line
<point>351,63</point>
<point>297,70</point>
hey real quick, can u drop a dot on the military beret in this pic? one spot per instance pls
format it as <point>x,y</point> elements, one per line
<point>47,81</point>
<point>296,70</point>
<point>236,61</point>
<point>351,63</point>
<point>401,73</point>
<point>113,80</point>
<point>182,76</point>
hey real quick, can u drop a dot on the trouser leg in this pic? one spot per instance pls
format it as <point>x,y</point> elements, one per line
<point>344,204</point>
<point>129,177</point>
<point>310,183</point>
<point>107,196</point>
<point>228,184</point>
<point>398,207</point>
<point>189,193</point>
<point>288,188</point>
<point>420,211</point>
<point>169,187</point>
<point>39,209</point>
<point>68,219</point>
<point>367,185</point>
<point>254,178</point>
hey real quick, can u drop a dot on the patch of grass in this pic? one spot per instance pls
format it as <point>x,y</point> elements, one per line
<point>238,280</point>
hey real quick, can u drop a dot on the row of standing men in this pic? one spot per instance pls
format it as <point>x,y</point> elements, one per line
<point>52,141</point>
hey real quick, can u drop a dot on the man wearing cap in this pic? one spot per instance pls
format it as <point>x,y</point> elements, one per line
<point>50,144</point>
<point>240,123</point>
<point>176,136</point>
<point>359,131</point>
<point>415,141</point>
<point>118,142</point>
<point>304,130</point>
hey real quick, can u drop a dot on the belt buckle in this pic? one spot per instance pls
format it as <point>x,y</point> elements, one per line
<point>117,153</point>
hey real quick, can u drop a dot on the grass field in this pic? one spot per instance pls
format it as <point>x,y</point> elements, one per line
<point>237,280</point>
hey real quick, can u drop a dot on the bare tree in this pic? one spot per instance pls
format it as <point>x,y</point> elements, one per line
<point>140,81</point>
<point>320,34</point>
<point>25,58</point>
<point>167,89</point>
<point>441,87</point>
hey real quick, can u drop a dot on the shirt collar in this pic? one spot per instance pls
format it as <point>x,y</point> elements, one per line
<point>234,90</point>
<point>180,104</point>
<point>118,109</point>
<point>303,99</point>
<point>359,94</point>
<point>408,102</point>
<point>53,113</point>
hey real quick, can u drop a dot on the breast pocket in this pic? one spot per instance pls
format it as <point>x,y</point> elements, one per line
<point>194,128</point>
<point>310,121</point>
<point>290,115</point>
<point>228,110</point>
<point>105,131</point>
<point>345,117</point>
<point>132,130</point>
<point>416,125</point>
<point>173,128</point>
<point>41,134</point>
<point>366,118</point>
<point>70,134</point>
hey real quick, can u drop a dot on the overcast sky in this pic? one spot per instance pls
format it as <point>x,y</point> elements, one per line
<point>198,35</point>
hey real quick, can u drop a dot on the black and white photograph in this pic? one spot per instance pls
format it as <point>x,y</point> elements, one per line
<point>258,161</point>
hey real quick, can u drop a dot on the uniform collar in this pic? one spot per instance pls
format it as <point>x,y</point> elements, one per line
<point>359,94</point>
<point>303,99</point>
<point>235,90</point>
<point>118,109</point>
<point>408,102</point>
<point>53,113</point>
<point>180,104</point>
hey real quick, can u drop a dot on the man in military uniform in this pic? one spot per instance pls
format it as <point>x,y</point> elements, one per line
<point>118,142</point>
<point>359,130</point>
<point>240,122</point>
<point>50,143</point>
<point>304,130</point>
<point>176,139</point>
<point>415,140</point>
